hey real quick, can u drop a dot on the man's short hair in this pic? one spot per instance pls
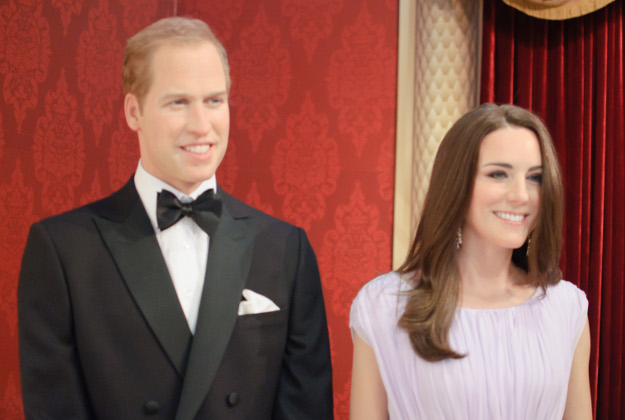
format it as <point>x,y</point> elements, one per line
<point>140,49</point>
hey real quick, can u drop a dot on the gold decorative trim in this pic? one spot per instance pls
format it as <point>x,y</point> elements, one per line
<point>404,147</point>
<point>438,81</point>
<point>557,9</point>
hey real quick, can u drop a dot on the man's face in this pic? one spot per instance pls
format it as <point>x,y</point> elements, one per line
<point>184,122</point>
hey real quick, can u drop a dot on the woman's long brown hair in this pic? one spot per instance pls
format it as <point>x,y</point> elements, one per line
<point>431,264</point>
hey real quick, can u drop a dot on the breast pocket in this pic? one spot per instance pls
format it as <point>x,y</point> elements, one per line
<point>266,319</point>
<point>261,337</point>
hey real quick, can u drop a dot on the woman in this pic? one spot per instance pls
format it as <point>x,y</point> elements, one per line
<point>477,323</point>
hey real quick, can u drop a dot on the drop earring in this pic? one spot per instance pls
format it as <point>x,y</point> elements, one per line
<point>529,242</point>
<point>459,238</point>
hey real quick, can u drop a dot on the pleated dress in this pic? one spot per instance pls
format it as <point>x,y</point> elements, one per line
<point>518,359</point>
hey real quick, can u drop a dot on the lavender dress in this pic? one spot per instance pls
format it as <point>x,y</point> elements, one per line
<point>518,358</point>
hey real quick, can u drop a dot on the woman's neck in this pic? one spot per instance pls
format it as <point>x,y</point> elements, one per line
<point>489,279</point>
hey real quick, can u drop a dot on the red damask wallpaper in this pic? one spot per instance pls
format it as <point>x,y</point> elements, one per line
<point>312,136</point>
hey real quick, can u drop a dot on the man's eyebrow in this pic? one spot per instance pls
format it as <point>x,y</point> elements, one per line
<point>182,94</point>
<point>173,95</point>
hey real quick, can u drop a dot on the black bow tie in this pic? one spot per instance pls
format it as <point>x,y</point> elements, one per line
<point>204,210</point>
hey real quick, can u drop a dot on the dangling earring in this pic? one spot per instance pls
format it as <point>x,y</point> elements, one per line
<point>459,238</point>
<point>529,242</point>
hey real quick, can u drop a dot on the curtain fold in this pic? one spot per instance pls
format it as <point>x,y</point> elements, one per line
<point>571,74</point>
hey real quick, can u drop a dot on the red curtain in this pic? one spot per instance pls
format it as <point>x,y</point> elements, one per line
<point>571,74</point>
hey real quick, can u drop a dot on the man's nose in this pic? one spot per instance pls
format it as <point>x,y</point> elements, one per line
<point>198,120</point>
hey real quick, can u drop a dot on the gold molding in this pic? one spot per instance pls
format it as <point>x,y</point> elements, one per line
<point>404,148</point>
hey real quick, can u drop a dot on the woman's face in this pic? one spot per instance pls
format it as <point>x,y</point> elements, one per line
<point>506,194</point>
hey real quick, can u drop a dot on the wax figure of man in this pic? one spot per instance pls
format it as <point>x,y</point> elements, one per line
<point>144,305</point>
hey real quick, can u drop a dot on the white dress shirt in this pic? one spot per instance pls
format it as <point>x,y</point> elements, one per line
<point>184,245</point>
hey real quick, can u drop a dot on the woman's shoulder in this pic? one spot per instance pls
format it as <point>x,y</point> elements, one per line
<point>383,286</point>
<point>565,291</point>
<point>566,302</point>
<point>378,306</point>
<point>565,307</point>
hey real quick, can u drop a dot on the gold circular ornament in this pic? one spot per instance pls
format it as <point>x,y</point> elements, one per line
<point>557,9</point>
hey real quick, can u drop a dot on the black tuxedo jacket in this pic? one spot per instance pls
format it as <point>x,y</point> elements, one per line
<point>102,334</point>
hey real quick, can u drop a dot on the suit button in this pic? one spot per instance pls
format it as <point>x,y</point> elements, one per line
<point>232,399</point>
<point>151,407</point>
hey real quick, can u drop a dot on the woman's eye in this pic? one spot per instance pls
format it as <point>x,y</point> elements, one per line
<point>537,178</point>
<point>497,174</point>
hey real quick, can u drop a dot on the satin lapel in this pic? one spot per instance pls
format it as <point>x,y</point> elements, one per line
<point>227,268</point>
<point>135,250</point>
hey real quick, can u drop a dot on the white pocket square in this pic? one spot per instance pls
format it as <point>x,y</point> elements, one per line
<point>255,303</point>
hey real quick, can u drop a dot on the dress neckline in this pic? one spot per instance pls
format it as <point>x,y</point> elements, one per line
<point>527,301</point>
<point>537,293</point>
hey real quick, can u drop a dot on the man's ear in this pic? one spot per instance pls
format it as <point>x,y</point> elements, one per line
<point>132,111</point>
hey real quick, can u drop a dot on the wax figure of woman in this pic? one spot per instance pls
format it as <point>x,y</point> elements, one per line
<point>477,323</point>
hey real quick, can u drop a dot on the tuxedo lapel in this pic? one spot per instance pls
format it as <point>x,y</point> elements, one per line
<point>227,269</point>
<point>133,245</point>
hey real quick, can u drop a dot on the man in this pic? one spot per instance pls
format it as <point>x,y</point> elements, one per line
<point>144,304</point>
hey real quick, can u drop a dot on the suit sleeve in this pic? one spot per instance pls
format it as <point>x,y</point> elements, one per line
<point>305,387</point>
<point>52,382</point>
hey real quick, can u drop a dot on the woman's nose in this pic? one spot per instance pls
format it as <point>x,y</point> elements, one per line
<point>518,191</point>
